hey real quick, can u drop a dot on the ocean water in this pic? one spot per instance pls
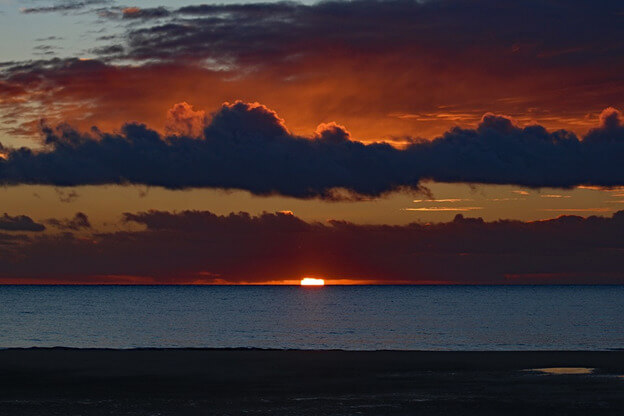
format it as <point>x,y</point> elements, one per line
<point>332,317</point>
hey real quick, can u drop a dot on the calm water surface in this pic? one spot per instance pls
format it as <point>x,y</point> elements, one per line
<point>352,317</point>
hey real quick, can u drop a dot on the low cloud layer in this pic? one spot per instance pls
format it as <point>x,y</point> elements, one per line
<point>201,247</point>
<point>248,146</point>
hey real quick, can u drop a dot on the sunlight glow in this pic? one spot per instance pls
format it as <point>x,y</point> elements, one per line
<point>309,281</point>
<point>564,370</point>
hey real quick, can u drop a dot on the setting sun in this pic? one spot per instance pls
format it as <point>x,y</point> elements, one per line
<point>309,281</point>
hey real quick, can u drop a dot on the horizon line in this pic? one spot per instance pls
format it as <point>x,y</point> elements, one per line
<point>306,287</point>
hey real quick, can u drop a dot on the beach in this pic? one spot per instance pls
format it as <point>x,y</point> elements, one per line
<point>61,381</point>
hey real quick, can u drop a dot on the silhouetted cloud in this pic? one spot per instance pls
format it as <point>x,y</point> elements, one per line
<point>66,197</point>
<point>145,13</point>
<point>63,6</point>
<point>19,223</point>
<point>248,146</point>
<point>198,246</point>
<point>9,240</point>
<point>80,221</point>
<point>285,30</point>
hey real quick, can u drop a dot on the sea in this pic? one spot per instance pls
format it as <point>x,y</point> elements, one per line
<point>314,318</point>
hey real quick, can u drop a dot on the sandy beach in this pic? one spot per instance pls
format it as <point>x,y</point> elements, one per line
<point>259,382</point>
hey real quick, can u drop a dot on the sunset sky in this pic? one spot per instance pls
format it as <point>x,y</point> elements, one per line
<point>432,141</point>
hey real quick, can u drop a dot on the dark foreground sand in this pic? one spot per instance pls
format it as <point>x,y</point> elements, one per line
<point>255,382</point>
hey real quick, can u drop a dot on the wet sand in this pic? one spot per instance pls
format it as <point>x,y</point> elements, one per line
<point>262,382</point>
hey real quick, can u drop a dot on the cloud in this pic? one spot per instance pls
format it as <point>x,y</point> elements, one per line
<point>442,209</point>
<point>451,200</point>
<point>19,223</point>
<point>248,146</point>
<point>310,62</point>
<point>184,121</point>
<point>198,246</point>
<point>145,13</point>
<point>289,30</point>
<point>63,6</point>
<point>66,197</point>
<point>79,222</point>
<point>576,209</point>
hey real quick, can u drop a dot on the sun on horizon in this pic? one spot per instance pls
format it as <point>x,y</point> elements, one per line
<point>310,281</point>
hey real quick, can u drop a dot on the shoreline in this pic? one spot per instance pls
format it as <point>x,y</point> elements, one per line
<point>68,381</point>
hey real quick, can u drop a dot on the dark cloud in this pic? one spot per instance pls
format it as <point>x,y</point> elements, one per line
<point>19,223</point>
<point>499,152</point>
<point>195,246</point>
<point>108,50</point>
<point>248,146</point>
<point>527,33</point>
<point>145,13</point>
<point>66,196</point>
<point>63,6</point>
<point>46,50</point>
<point>132,13</point>
<point>79,222</point>
<point>8,240</point>
<point>49,38</point>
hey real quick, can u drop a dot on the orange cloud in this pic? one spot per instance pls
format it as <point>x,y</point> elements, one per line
<point>131,10</point>
<point>87,93</point>
<point>315,65</point>
<point>184,121</point>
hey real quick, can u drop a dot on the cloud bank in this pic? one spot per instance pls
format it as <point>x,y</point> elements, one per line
<point>201,247</point>
<point>248,146</point>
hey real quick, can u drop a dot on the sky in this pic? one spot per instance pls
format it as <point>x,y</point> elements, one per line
<point>396,141</point>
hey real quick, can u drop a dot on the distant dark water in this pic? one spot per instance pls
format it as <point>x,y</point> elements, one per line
<point>353,317</point>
